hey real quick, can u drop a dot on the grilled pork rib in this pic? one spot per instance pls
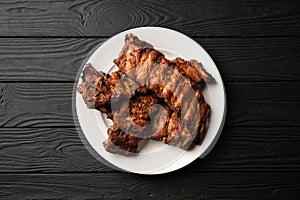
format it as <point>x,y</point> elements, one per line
<point>157,80</point>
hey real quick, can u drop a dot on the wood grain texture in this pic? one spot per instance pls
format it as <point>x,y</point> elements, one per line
<point>45,150</point>
<point>238,59</point>
<point>47,59</point>
<point>169,186</point>
<point>50,104</point>
<point>105,18</point>
<point>59,150</point>
<point>36,104</point>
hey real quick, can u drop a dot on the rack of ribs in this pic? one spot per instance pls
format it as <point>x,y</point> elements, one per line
<point>148,79</point>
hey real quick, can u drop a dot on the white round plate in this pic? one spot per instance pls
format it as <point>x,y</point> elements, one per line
<point>155,157</point>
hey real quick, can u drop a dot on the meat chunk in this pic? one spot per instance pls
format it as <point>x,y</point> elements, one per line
<point>171,81</point>
<point>136,53</point>
<point>120,142</point>
<point>165,103</point>
<point>142,112</point>
<point>95,89</point>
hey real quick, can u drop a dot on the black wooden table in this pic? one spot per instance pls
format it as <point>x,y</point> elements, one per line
<point>256,46</point>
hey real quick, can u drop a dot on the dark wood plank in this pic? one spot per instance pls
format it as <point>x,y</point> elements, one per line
<point>47,59</point>
<point>57,150</point>
<point>105,18</point>
<point>263,104</point>
<point>36,104</point>
<point>45,150</point>
<point>249,104</point>
<point>171,186</point>
<point>59,59</point>
<point>255,59</point>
